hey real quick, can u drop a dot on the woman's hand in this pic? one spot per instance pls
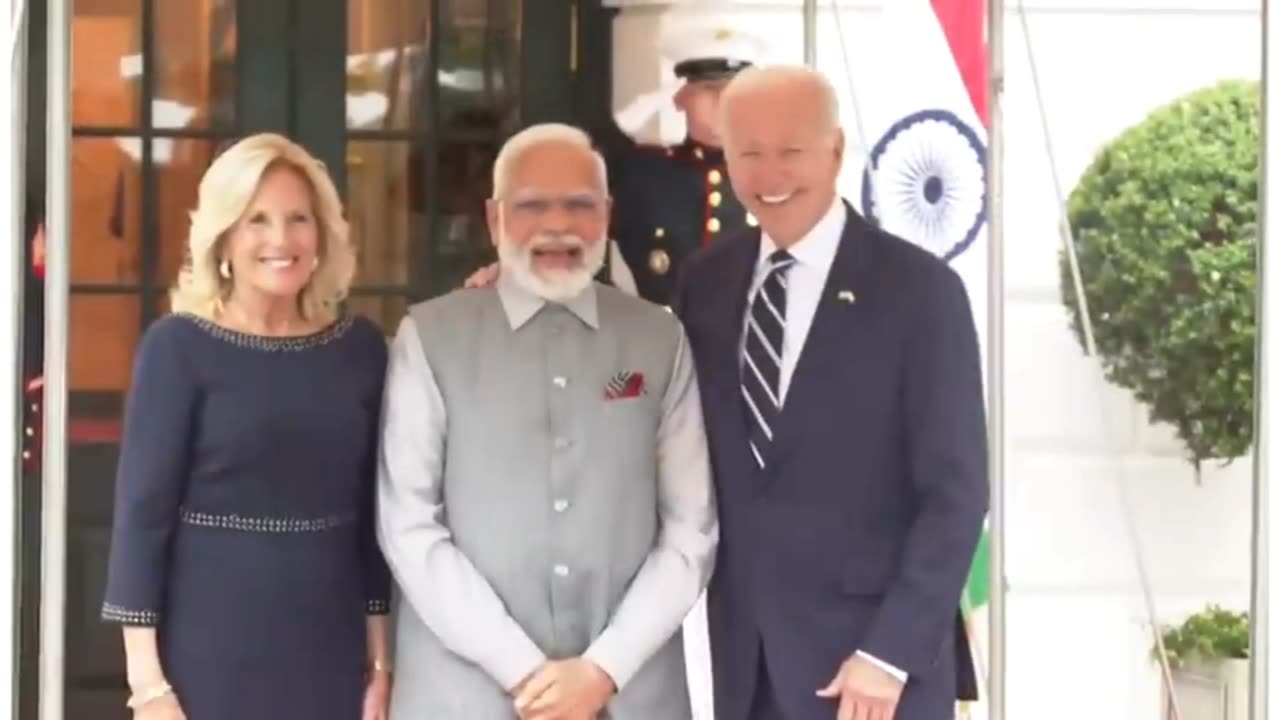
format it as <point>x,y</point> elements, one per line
<point>162,708</point>
<point>377,696</point>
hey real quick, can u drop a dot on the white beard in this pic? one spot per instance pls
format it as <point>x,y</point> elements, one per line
<point>554,284</point>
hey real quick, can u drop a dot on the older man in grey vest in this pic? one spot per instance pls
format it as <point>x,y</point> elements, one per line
<point>552,533</point>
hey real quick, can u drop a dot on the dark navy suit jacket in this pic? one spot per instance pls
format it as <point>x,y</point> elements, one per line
<point>860,533</point>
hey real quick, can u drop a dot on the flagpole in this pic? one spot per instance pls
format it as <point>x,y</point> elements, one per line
<point>1267,364</point>
<point>53,496</point>
<point>995,344</point>
<point>810,33</point>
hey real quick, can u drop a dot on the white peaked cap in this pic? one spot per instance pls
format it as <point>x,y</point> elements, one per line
<point>692,40</point>
<point>700,50</point>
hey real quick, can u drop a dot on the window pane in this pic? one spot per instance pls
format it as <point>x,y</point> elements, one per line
<point>387,62</point>
<point>480,60</point>
<point>179,165</point>
<point>106,203</point>
<point>106,62</point>
<point>386,207</point>
<point>103,332</point>
<point>195,64</point>
<point>386,310</point>
<point>461,243</point>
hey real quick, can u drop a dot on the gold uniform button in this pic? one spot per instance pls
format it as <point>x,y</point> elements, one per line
<point>659,232</point>
<point>714,198</point>
<point>659,262</point>
<point>751,220</point>
<point>697,152</point>
<point>713,225</point>
<point>713,177</point>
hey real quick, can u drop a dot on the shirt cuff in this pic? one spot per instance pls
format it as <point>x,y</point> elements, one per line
<point>608,653</point>
<point>514,665</point>
<point>895,672</point>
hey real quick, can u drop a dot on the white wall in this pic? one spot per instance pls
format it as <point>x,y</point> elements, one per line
<point>1077,631</point>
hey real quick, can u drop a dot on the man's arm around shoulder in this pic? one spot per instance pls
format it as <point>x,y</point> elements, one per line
<point>947,444</point>
<point>439,582</point>
<point>677,569</point>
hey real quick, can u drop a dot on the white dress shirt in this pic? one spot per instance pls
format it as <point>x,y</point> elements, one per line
<point>814,253</point>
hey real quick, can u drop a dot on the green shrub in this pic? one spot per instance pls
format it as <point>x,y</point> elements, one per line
<point>1211,634</point>
<point>1165,224</point>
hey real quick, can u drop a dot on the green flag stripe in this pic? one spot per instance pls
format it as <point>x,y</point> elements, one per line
<point>977,589</point>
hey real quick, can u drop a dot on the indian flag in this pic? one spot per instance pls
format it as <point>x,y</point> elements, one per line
<point>926,171</point>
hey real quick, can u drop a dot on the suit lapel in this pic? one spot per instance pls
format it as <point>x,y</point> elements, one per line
<point>840,318</point>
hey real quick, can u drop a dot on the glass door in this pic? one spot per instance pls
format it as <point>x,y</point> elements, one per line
<point>431,89</point>
<point>405,101</point>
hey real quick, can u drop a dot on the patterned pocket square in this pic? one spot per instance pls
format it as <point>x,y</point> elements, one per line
<point>627,384</point>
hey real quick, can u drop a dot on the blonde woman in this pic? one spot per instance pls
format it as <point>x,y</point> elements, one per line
<point>243,562</point>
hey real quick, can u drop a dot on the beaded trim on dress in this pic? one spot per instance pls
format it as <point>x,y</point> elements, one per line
<point>270,343</point>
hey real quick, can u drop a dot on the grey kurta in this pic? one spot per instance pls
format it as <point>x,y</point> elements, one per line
<point>554,513</point>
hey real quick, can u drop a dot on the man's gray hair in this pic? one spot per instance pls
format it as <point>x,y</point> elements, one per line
<point>763,77</point>
<point>536,135</point>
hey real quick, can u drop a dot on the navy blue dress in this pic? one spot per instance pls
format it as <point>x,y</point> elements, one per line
<point>244,526</point>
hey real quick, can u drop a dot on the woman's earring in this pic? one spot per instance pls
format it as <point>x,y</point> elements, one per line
<point>224,269</point>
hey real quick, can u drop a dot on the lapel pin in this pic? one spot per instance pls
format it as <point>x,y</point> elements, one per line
<point>846,296</point>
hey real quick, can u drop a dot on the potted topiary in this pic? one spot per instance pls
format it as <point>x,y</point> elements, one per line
<point>1164,222</point>
<point>1209,659</point>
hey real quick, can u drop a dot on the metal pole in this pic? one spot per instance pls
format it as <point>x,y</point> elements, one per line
<point>10,335</point>
<point>1267,363</point>
<point>995,340</point>
<point>53,535</point>
<point>811,33</point>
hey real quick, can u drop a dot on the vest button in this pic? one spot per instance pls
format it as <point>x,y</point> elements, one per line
<point>561,443</point>
<point>560,381</point>
<point>562,570</point>
<point>561,505</point>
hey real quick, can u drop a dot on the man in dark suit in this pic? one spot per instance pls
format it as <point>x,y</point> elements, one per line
<point>842,387</point>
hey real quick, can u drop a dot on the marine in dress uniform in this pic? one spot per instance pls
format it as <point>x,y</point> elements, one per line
<point>671,199</point>
<point>33,340</point>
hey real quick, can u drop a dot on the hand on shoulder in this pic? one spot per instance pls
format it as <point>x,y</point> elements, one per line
<point>484,277</point>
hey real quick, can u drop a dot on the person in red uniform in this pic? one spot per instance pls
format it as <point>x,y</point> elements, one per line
<point>671,199</point>
<point>33,335</point>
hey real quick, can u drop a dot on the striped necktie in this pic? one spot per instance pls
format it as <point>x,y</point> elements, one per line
<point>762,354</point>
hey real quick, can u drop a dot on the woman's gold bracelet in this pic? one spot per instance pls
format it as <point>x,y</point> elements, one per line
<point>149,695</point>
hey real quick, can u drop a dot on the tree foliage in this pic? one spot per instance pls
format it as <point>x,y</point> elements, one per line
<point>1165,227</point>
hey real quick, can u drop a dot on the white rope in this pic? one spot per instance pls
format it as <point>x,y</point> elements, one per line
<point>1091,348</point>
<point>848,75</point>
<point>19,15</point>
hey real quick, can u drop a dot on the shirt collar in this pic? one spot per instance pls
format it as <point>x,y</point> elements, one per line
<point>817,249</point>
<point>520,305</point>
